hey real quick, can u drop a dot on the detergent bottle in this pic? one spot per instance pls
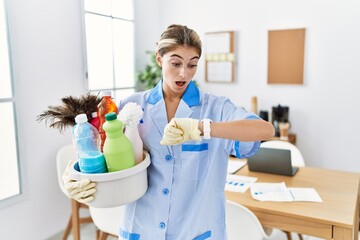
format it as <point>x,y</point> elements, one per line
<point>105,106</point>
<point>131,115</point>
<point>95,120</point>
<point>117,148</point>
<point>132,133</point>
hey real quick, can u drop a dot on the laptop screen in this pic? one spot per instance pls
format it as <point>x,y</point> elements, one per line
<point>272,160</point>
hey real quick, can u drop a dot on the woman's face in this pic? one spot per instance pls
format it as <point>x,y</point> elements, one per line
<point>178,68</point>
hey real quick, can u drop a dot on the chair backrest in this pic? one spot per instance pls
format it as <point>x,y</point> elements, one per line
<point>296,156</point>
<point>108,219</point>
<point>242,224</point>
<point>63,156</point>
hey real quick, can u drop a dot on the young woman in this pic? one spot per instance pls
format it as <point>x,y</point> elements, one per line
<point>189,135</point>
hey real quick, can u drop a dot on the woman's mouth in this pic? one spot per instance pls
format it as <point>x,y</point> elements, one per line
<point>180,83</point>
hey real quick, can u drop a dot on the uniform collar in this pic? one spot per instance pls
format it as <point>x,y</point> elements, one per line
<point>191,95</point>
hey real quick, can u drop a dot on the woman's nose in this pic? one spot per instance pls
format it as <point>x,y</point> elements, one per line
<point>182,72</point>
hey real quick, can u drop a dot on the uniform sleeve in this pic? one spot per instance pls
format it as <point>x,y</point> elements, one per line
<point>230,112</point>
<point>138,97</point>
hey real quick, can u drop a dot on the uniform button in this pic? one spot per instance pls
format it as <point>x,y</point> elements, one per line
<point>165,191</point>
<point>168,157</point>
<point>162,225</point>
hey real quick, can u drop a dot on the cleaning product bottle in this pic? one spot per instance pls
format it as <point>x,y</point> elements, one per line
<point>105,106</point>
<point>117,149</point>
<point>86,140</point>
<point>95,121</point>
<point>131,115</point>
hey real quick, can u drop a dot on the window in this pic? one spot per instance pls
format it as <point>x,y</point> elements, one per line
<point>9,164</point>
<point>109,37</point>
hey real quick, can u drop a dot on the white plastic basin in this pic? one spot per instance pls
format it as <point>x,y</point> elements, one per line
<point>117,188</point>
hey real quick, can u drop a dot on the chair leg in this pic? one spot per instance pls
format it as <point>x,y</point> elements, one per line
<point>75,221</point>
<point>68,229</point>
<point>103,235</point>
<point>288,234</point>
<point>300,236</point>
<point>97,233</point>
<point>75,215</point>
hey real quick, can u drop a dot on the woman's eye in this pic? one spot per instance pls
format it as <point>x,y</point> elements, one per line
<point>192,65</point>
<point>176,64</point>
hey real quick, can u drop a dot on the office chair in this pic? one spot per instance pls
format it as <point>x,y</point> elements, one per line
<point>242,224</point>
<point>107,220</point>
<point>296,156</point>
<point>63,156</point>
<point>296,160</point>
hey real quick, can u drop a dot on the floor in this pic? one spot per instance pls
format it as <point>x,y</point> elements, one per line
<point>88,232</point>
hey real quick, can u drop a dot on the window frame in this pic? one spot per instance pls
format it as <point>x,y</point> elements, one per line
<point>114,90</point>
<point>20,195</point>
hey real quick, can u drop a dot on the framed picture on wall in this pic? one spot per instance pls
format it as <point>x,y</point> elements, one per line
<point>220,57</point>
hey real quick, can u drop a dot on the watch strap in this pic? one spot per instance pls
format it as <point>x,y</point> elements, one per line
<point>206,128</point>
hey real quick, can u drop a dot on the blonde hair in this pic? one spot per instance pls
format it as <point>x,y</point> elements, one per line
<point>178,35</point>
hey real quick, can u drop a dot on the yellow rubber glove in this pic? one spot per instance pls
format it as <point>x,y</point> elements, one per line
<point>82,191</point>
<point>180,130</point>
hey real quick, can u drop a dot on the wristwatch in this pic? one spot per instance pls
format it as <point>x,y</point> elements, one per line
<point>206,128</point>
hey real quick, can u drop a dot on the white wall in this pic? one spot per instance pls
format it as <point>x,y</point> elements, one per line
<point>47,65</point>
<point>47,60</point>
<point>324,112</point>
<point>147,15</point>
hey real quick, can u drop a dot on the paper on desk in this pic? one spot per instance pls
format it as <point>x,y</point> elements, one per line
<point>305,194</point>
<point>235,165</point>
<point>236,183</point>
<point>278,192</point>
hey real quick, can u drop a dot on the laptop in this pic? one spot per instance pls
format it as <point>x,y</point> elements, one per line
<point>272,160</point>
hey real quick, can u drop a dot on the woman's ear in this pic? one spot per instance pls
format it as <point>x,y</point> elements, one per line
<point>158,59</point>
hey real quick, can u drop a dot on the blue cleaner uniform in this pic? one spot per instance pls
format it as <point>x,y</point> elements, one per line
<point>185,199</point>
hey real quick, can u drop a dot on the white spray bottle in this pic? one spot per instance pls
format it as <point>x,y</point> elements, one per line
<point>131,115</point>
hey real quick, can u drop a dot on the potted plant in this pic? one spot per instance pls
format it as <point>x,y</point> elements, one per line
<point>150,76</point>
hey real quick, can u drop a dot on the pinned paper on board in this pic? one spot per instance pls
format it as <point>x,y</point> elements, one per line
<point>220,57</point>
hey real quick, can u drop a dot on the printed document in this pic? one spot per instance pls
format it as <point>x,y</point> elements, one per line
<point>236,183</point>
<point>235,165</point>
<point>278,192</point>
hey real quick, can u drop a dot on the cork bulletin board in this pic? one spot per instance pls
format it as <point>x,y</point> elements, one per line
<point>220,57</point>
<point>286,56</point>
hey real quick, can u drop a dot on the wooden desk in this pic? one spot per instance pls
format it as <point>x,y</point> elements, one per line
<point>337,217</point>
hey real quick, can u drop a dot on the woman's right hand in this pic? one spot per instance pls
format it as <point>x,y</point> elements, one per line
<point>180,130</point>
<point>82,191</point>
